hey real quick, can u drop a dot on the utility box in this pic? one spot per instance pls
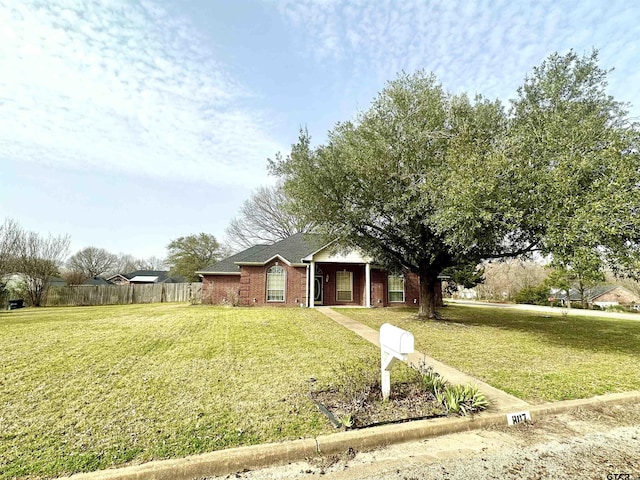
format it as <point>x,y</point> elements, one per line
<point>13,304</point>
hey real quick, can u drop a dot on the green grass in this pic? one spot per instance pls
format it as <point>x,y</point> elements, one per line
<point>534,356</point>
<point>86,388</point>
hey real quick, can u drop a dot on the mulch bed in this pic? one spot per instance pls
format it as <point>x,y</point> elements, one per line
<point>365,408</point>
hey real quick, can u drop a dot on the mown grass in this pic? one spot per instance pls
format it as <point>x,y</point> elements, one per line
<point>86,388</point>
<point>534,356</point>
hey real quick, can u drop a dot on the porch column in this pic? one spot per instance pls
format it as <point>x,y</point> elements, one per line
<point>367,285</point>
<point>312,284</point>
<point>306,288</point>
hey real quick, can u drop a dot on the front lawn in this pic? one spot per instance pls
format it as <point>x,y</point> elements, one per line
<point>534,356</point>
<point>85,388</point>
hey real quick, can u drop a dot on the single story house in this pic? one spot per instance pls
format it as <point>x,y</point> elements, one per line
<point>604,296</point>
<point>95,281</point>
<point>304,270</point>
<point>118,279</point>
<point>142,277</point>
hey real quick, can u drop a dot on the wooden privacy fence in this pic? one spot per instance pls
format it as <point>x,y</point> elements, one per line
<point>123,294</point>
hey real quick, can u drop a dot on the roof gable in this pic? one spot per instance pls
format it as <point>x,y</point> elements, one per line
<point>228,265</point>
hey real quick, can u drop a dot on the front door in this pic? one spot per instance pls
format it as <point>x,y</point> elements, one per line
<point>317,300</point>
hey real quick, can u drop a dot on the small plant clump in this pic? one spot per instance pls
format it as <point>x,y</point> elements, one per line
<point>456,399</point>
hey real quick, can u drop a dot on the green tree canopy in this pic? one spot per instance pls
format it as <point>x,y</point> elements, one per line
<point>575,163</point>
<point>187,255</point>
<point>427,180</point>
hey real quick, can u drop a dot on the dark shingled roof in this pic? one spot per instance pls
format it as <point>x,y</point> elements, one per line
<point>590,293</point>
<point>96,281</point>
<point>292,249</point>
<point>163,276</point>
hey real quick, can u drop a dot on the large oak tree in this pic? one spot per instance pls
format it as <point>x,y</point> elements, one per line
<point>427,180</point>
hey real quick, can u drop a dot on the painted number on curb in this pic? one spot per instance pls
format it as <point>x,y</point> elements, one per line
<point>518,417</point>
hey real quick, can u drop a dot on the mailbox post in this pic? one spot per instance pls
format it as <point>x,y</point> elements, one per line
<point>395,344</point>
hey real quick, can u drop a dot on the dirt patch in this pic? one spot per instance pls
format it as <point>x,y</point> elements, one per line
<point>366,408</point>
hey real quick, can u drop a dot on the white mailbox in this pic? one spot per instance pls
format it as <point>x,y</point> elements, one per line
<point>395,344</point>
<point>396,341</point>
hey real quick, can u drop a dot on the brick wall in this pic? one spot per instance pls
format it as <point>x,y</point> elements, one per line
<point>380,293</point>
<point>618,294</point>
<point>220,289</point>
<point>253,285</point>
<point>379,296</point>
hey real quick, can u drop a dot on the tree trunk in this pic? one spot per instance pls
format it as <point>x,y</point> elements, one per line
<point>583,300</point>
<point>428,296</point>
<point>438,292</point>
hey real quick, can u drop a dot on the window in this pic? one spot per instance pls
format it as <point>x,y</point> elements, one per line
<point>396,288</point>
<point>344,286</point>
<point>276,282</point>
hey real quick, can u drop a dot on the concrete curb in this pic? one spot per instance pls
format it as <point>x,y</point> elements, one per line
<point>220,462</point>
<point>224,462</point>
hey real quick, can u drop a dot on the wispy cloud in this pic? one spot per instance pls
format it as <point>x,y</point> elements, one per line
<point>122,86</point>
<point>486,46</point>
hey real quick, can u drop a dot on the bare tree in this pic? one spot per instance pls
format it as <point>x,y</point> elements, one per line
<point>264,218</point>
<point>91,261</point>
<point>9,233</point>
<point>151,263</point>
<point>124,263</point>
<point>504,279</point>
<point>39,258</point>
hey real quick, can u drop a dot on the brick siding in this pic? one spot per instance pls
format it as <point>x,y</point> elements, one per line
<point>249,288</point>
<point>221,289</point>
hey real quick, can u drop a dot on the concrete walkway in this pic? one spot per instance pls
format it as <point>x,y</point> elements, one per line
<point>499,400</point>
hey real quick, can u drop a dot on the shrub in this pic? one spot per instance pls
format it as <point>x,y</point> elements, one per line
<point>231,298</point>
<point>538,295</point>
<point>620,308</point>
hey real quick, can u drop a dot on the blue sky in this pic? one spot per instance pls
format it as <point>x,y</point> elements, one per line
<point>128,123</point>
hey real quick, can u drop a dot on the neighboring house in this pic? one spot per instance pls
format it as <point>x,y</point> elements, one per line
<point>118,279</point>
<point>303,267</point>
<point>56,282</point>
<point>605,296</point>
<point>96,281</point>
<point>13,281</point>
<point>466,293</point>
<point>142,277</point>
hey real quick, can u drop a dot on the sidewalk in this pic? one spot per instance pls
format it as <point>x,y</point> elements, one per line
<point>499,400</point>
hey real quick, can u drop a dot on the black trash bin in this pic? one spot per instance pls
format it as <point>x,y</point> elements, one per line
<point>13,304</point>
